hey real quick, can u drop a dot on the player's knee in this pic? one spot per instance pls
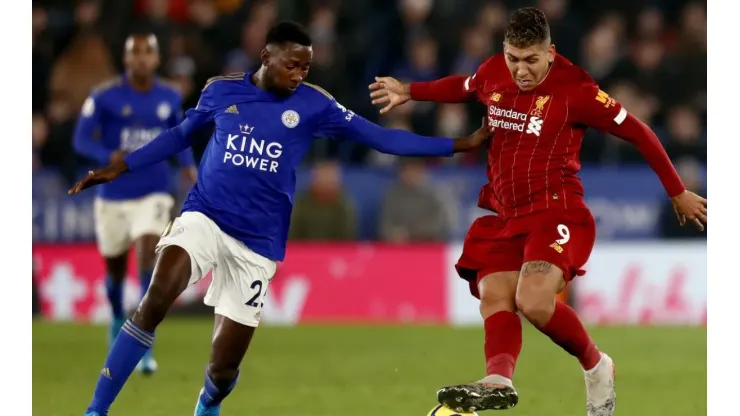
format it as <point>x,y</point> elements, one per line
<point>497,294</point>
<point>490,305</point>
<point>536,308</point>
<point>535,302</point>
<point>116,267</point>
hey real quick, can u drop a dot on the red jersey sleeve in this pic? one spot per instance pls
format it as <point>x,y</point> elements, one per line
<point>595,108</point>
<point>452,89</point>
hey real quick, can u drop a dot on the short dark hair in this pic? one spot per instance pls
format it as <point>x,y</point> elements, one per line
<point>527,26</point>
<point>288,32</point>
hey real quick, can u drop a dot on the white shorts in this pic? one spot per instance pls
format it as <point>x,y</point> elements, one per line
<point>240,276</point>
<point>119,223</point>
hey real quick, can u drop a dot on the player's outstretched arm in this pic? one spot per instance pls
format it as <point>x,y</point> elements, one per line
<point>392,93</point>
<point>164,146</point>
<point>339,122</point>
<point>88,123</point>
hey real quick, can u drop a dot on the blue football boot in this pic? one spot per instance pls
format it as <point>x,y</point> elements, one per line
<point>202,410</point>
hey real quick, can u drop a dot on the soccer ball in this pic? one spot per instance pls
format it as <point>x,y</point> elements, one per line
<point>443,411</point>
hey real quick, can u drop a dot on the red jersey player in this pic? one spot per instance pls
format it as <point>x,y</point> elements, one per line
<point>539,106</point>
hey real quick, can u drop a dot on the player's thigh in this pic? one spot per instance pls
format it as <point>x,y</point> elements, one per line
<point>558,246</point>
<point>240,282</point>
<point>111,227</point>
<point>196,234</point>
<point>489,248</point>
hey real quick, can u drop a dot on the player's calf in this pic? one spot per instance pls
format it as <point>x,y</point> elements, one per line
<point>114,290</point>
<point>230,343</point>
<point>503,343</point>
<point>539,284</point>
<point>137,334</point>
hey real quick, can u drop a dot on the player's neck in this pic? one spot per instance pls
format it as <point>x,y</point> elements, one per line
<point>141,84</point>
<point>259,79</point>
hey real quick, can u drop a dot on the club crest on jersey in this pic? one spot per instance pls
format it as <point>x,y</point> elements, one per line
<point>290,118</point>
<point>126,110</point>
<point>164,111</point>
<point>539,105</point>
<point>496,97</point>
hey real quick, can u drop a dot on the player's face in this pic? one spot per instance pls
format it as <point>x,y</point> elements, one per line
<point>287,66</point>
<point>142,55</point>
<point>529,66</point>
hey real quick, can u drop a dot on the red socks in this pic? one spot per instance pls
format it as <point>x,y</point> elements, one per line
<point>566,330</point>
<point>503,343</point>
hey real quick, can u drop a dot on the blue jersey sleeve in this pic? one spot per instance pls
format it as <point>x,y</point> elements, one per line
<point>340,123</point>
<point>185,158</point>
<point>202,114</point>
<point>88,126</point>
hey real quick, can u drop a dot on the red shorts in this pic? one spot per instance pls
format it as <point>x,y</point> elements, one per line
<point>562,237</point>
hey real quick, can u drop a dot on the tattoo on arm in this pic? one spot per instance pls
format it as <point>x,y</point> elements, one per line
<point>535,267</point>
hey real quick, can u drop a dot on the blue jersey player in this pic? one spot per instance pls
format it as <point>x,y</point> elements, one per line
<point>119,117</point>
<point>235,220</point>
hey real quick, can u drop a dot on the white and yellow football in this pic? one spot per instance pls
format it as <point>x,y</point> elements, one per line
<point>444,411</point>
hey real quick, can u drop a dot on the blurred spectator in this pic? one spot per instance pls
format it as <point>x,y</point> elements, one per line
<point>600,52</point>
<point>412,211</point>
<point>690,171</point>
<point>85,63</point>
<point>324,211</point>
<point>685,134</point>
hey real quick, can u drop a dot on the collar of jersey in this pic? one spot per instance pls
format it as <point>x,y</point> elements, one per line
<point>259,92</point>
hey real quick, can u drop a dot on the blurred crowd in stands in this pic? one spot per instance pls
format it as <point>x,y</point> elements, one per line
<point>648,54</point>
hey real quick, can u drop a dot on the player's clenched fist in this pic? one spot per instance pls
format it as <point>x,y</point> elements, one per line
<point>99,176</point>
<point>689,205</point>
<point>389,91</point>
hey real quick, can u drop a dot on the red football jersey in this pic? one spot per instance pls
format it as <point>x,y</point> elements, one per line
<point>533,155</point>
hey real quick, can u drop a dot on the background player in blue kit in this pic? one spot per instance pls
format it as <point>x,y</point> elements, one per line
<point>119,117</point>
<point>235,219</point>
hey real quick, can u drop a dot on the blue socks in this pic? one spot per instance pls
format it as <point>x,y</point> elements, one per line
<point>130,345</point>
<point>215,393</point>
<point>114,291</point>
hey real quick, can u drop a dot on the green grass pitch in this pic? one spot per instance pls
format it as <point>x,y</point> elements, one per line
<point>368,371</point>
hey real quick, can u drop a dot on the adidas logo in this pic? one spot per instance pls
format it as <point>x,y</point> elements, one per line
<point>232,109</point>
<point>106,373</point>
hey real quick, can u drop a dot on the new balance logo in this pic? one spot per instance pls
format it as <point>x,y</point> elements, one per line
<point>535,126</point>
<point>232,109</point>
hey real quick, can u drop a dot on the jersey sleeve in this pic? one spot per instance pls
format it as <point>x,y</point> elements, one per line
<point>202,114</point>
<point>338,122</point>
<point>595,108</point>
<point>86,141</point>
<point>185,158</point>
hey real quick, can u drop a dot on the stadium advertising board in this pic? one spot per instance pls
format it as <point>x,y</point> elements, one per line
<point>637,283</point>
